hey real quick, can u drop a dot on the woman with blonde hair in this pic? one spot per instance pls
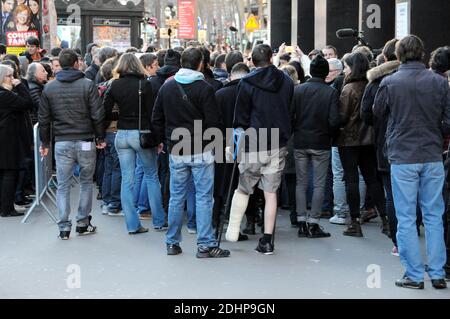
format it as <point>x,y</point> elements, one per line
<point>133,93</point>
<point>22,19</point>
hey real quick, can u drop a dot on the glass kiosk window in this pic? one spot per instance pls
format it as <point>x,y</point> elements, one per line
<point>115,33</point>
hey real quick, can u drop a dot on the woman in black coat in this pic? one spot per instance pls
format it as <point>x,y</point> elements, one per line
<point>14,139</point>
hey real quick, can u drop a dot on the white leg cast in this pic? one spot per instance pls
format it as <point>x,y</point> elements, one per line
<point>238,207</point>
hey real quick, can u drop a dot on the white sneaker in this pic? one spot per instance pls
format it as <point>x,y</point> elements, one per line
<point>192,230</point>
<point>104,209</point>
<point>339,220</point>
<point>394,252</point>
<point>119,213</point>
<point>20,208</point>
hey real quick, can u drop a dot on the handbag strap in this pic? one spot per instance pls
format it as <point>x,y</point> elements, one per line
<point>186,99</point>
<point>140,105</point>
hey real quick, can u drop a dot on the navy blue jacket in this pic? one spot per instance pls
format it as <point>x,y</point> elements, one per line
<point>417,102</point>
<point>263,102</point>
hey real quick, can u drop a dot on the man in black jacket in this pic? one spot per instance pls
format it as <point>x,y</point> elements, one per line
<point>186,107</point>
<point>315,123</point>
<point>72,104</point>
<point>262,108</point>
<point>168,68</point>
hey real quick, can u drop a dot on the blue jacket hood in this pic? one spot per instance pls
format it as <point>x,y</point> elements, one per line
<point>220,74</point>
<point>69,75</point>
<point>188,76</point>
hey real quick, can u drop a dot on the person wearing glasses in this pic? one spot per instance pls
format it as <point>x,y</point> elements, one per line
<point>15,100</point>
<point>22,19</point>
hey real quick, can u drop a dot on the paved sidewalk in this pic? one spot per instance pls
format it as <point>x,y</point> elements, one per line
<point>113,264</point>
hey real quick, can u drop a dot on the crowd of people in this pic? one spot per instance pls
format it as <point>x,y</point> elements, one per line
<point>357,138</point>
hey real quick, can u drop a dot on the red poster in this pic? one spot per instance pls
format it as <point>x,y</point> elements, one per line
<point>186,16</point>
<point>17,38</point>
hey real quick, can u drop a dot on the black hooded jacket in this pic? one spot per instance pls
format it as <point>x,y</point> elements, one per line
<point>263,102</point>
<point>161,76</point>
<point>73,104</point>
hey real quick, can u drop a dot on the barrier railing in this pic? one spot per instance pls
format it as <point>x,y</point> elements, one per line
<point>44,179</point>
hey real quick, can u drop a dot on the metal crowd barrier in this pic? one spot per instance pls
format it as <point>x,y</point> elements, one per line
<point>45,181</point>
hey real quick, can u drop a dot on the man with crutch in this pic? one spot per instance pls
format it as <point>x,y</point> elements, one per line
<point>262,115</point>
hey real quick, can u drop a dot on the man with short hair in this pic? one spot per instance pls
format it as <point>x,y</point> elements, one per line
<point>226,101</point>
<point>72,104</point>
<point>182,101</point>
<point>150,63</point>
<point>316,122</point>
<point>56,67</point>
<point>330,52</point>
<point>262,107</point>
<point>417,104</point>
<point>220,69</point>
<point>33,52</point>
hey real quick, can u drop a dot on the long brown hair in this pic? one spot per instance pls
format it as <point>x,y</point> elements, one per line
<point>129,64</point>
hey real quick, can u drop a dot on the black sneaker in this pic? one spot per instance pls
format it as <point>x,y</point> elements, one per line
<point>64,235</point>
<point>86,230</point>
<point>161,228</point>
<point>405,282</point>
<point>242,237</point>
<point>173,250</point>
<point>212,252</point>
<point>302,230</point>
<point>439,283</point>
<point>315,231</point>
<point>293,218</point>
<point>24,203</point>
<point>264,248</point>
<point>385,227</point>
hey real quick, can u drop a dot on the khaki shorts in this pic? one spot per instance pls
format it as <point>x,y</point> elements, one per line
<point>262,168</point>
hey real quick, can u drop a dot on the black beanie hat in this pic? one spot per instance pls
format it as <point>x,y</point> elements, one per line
<point>319,67</point>
<point>172,58</point>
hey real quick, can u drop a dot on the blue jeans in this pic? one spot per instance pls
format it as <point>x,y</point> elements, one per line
<point>140,192</point>
<point>112,176</point>
<point>127,146</point>
<point>340,198</point>
<point>67,154</point>
<point>201,168</point>
<point>422,182</point>
<point>190,205</point>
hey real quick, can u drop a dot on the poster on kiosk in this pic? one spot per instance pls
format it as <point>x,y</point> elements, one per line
<point>20,19</point>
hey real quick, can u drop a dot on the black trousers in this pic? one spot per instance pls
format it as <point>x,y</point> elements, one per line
<point>8,184</point>
<point>364,158</point>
